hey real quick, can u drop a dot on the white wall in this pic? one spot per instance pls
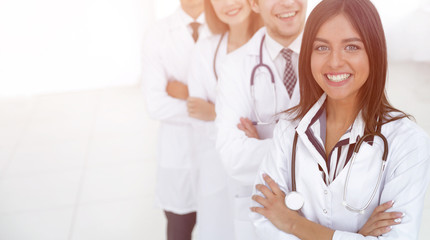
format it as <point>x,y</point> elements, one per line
<point>51,46</point>
<point>407,29</point>
<point>65,45</point>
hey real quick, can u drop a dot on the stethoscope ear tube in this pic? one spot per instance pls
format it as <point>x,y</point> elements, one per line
<point>293,199</point>
<point>215,56</point>
<point>293,163</point>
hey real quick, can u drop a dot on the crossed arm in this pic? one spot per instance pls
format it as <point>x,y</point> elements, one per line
<point>289,221</point>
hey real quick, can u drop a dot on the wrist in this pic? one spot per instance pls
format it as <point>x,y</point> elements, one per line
<point>296,223</point>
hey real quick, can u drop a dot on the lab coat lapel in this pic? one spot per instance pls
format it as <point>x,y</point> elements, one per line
<point>301,131</point>
<point>175,57</point>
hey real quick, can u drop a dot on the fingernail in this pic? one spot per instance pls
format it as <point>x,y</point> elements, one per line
<point>398,220</point>
<point>264,175</point>
<point>403,214</point>
<point>392,202</point>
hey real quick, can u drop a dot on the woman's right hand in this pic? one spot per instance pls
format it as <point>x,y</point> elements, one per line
<point>380,221</point>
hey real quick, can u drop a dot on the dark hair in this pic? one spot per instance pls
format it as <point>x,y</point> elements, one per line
<point>365,19</point>
<point>218,27</point>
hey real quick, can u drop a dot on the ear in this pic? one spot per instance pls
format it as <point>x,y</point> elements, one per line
<point>254,5</point>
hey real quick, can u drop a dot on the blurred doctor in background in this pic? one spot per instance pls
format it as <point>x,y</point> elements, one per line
<point>166,60</point>
<point>253,87</point>
<point>233,23</point>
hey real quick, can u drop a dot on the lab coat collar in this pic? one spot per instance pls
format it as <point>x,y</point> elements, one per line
<point>352,134</point>
<point>253,46</point>
<point>307,119</point>
<point>357,128</point>
<point>302,127</point>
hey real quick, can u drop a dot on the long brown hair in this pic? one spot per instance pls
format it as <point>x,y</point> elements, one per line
<point>365,19</point>
<point>218,27</point>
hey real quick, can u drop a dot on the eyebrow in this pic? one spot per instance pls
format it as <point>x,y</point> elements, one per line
<point>354,39</point>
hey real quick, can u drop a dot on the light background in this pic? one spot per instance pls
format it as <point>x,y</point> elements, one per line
<point>77,149</point>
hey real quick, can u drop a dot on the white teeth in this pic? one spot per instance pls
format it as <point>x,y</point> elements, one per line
<point>233,12</point>
<point>338,77</point>
<point>287,15</point>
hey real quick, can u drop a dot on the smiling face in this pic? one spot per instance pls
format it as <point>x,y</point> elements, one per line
<point>284,19</point>
<point>232,12</point>
<point>339,61</point>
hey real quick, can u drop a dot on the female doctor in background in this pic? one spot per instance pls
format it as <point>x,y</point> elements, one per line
<point>342,68</point>
<point>233,23</point>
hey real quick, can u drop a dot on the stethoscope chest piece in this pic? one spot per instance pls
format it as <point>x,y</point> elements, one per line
<point>294,200</point>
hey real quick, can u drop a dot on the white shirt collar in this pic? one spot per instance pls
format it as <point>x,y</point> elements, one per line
<point>187,19</point>
<point>274,48</point>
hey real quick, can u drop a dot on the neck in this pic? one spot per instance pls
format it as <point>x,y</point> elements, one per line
<point>193,11</point>
<point>284,41</point>
<point>238,35</point>
<point>341,113</point>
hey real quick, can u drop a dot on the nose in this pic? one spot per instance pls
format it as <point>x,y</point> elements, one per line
<point>287,2</point>
<point>336,59</point>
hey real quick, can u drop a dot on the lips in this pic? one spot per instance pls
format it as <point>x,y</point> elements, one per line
<point>286,15</point>
<point>233,12</point>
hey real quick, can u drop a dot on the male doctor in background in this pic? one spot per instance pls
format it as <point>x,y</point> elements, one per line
<point>165,62</point>
<point>241,144</point>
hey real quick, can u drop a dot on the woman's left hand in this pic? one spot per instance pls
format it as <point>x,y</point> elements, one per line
<point>201,109</point>
<point>248,128</point>
<point>274,207</point>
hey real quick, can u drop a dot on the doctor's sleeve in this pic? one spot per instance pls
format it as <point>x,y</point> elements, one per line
<point>159,104</point>
<point>241,156</point>
<point>275,165</point>
<point>406,184</point>
<point>198,74</point>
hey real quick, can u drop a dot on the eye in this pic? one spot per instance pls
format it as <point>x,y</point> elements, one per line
<point>352,47</point>
<point>321,48</point>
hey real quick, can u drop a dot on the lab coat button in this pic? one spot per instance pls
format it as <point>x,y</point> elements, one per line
<point>325,192</point>
<point>325,211</point>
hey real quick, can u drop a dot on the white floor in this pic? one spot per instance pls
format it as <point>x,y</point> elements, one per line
<point>81,165</point>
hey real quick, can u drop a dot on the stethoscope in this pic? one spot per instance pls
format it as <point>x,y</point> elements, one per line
<point>272,80</point>
<point>294,200</point>
<point>254,70</point>
<point>216,55</point>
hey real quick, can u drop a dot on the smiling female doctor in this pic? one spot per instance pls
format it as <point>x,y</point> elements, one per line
<point>342,69</point>
<point>233,23</point>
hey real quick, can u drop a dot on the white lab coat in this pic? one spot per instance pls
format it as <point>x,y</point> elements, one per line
<point>166,57</point>
<point>214,205</point>
<point>404,180</point>
<point>241,155</point>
